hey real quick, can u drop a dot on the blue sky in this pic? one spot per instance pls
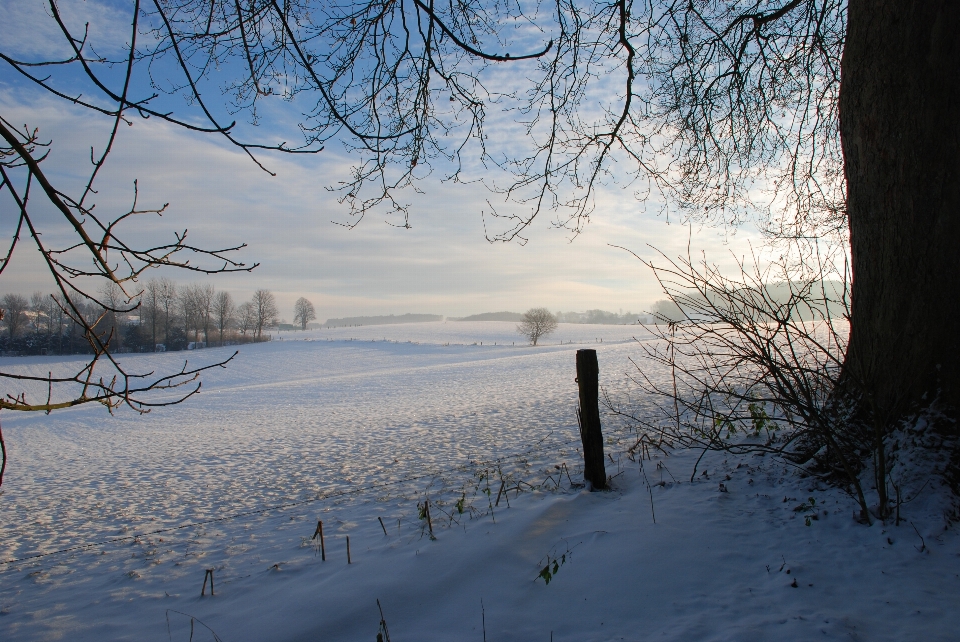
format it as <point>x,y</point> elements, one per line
<point>442,265</point>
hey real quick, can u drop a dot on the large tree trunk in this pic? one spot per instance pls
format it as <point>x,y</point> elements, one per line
<point>900,130</point>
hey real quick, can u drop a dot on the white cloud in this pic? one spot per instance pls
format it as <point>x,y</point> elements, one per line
<point>29,31</point>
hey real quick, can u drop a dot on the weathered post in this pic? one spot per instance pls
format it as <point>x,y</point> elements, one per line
<point>588,379</point>
<point>319,533</point>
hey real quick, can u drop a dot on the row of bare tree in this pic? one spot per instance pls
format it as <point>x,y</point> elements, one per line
<point>199,310</point>
<point>165,316</point>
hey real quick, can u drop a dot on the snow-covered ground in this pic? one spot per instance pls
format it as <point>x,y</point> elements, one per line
<point>354,424</point>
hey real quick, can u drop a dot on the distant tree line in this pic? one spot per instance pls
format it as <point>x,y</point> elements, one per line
<point>492,316</point>
<point>381,320</point>
<point>830,302</point>
<point>167,316</point>
<point>599,317</point>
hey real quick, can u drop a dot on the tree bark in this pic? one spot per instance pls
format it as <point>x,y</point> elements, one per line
<point>900,132</point>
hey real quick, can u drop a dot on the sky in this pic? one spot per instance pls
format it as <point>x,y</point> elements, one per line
<point>292,224</point>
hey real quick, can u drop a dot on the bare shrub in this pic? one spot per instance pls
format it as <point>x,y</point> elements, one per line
<point>754,364</point>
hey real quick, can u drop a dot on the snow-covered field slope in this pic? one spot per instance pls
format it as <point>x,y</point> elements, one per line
<point>355,424</point>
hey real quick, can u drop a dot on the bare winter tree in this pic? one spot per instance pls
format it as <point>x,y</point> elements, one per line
<point>246,317</point>
<point>223,311</point>
<point>536,324</point>
<point>167,294</point>
<point>189,309</point>
<point>115,303</point>
<point>303,312</point>
<point>14,313</point>
<point>151,310</point>
<point>265,312</point>
<point>38,308</point>
<point>204,293</point>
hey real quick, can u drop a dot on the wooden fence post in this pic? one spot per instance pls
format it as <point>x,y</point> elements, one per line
<point>588,380</point>
<point>319,534</point>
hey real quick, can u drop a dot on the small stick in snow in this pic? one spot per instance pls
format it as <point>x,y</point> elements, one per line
<point>643,472</point>
<point>319,533</point>
<point>499,492</point>
<point>429,521</point>
<point>348,550</point>
<point>923,544</point>
<point>203,589</point>
<point>385,637</point>
<point>483,620</point>
<point>382,526</point>
<point>3,452</point>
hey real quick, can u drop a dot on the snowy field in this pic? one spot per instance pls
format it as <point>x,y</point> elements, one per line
<point>108,523</point>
